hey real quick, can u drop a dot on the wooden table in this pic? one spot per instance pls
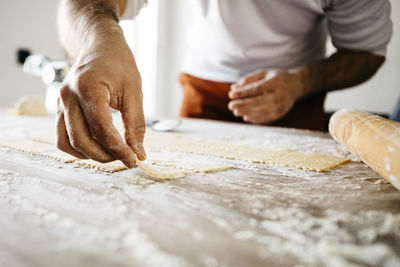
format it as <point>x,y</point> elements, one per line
<point>57,214</point>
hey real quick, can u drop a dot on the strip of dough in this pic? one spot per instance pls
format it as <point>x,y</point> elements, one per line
<point>194,166</point>
<point>42,148</point>
<point>308,161</point>
<point>36,148</point>
<point>228,150</point>
<point>287,158</point>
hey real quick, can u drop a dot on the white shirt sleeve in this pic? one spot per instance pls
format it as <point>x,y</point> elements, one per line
<point>132,9</point>
<point>360,24</point>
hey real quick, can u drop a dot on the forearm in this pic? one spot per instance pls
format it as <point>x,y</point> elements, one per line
<point>341,70</point>
<point>81,22</point>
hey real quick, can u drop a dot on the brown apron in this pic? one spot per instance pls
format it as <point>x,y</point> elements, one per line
<point>209,100</point>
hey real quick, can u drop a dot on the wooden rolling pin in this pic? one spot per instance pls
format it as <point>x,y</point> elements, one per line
<point>372,139</point>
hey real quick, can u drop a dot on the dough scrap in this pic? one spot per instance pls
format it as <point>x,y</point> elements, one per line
<point>29,105</point>
<point>111,167</point>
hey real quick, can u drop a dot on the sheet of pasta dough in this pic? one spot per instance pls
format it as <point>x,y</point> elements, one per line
<point>158,168</point>
<point>37,148</point>
<point>193,166</point>
<point>228,150</point>
<point>287,158</point>
<point>159,172</point>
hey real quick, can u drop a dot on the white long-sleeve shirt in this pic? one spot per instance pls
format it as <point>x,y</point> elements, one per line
<point>236,37</point>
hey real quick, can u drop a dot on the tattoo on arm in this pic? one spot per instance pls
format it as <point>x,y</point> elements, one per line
<point>343,69</point>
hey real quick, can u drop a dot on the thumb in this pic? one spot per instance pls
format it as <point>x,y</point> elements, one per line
<point>134,123</point>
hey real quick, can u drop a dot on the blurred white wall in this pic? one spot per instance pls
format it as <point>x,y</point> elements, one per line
<point>25,24</point>
<point>160,48</point>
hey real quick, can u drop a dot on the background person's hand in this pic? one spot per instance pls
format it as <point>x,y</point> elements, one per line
<point>265,96</point>
<point>104,75</point>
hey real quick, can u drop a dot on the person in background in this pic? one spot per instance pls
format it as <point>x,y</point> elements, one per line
<point>395,116</point>
<point>252,61</point>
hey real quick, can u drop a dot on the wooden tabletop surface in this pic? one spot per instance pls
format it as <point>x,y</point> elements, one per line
<point>57,214</point>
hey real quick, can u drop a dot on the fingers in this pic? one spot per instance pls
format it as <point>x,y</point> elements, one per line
<point>253,89</point>
<point>250,78</point>
<point>77,130</point>
<point>95,105</point>
<point>244,103</point>
<point>263,114</point>
<point>62,139</point>
<point>259,109</point>
<point>134,123</point>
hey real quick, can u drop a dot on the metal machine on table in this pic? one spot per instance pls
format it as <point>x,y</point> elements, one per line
<point>53,73</point>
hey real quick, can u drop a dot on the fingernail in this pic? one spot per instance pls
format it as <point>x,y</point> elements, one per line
<point>140,152</point>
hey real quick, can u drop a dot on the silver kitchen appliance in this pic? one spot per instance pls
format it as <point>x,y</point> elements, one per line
<point>52,73</point>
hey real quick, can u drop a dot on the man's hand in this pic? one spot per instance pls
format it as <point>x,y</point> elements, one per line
<point>104,75</point>
<point>265,95</point>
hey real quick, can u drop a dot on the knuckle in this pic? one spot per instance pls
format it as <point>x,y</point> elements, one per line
<point>60,110</point>
<point>103,159</point>
<point>76,143</point>
<point>64,93</point>
<point>141,129</point>
<point>84,82</point>
<point>84,78</point>
<point>98,131</point>
<point>61,145</point>
<point>133,133</point>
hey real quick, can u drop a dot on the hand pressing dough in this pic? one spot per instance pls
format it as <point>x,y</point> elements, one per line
<point>29,106</point>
